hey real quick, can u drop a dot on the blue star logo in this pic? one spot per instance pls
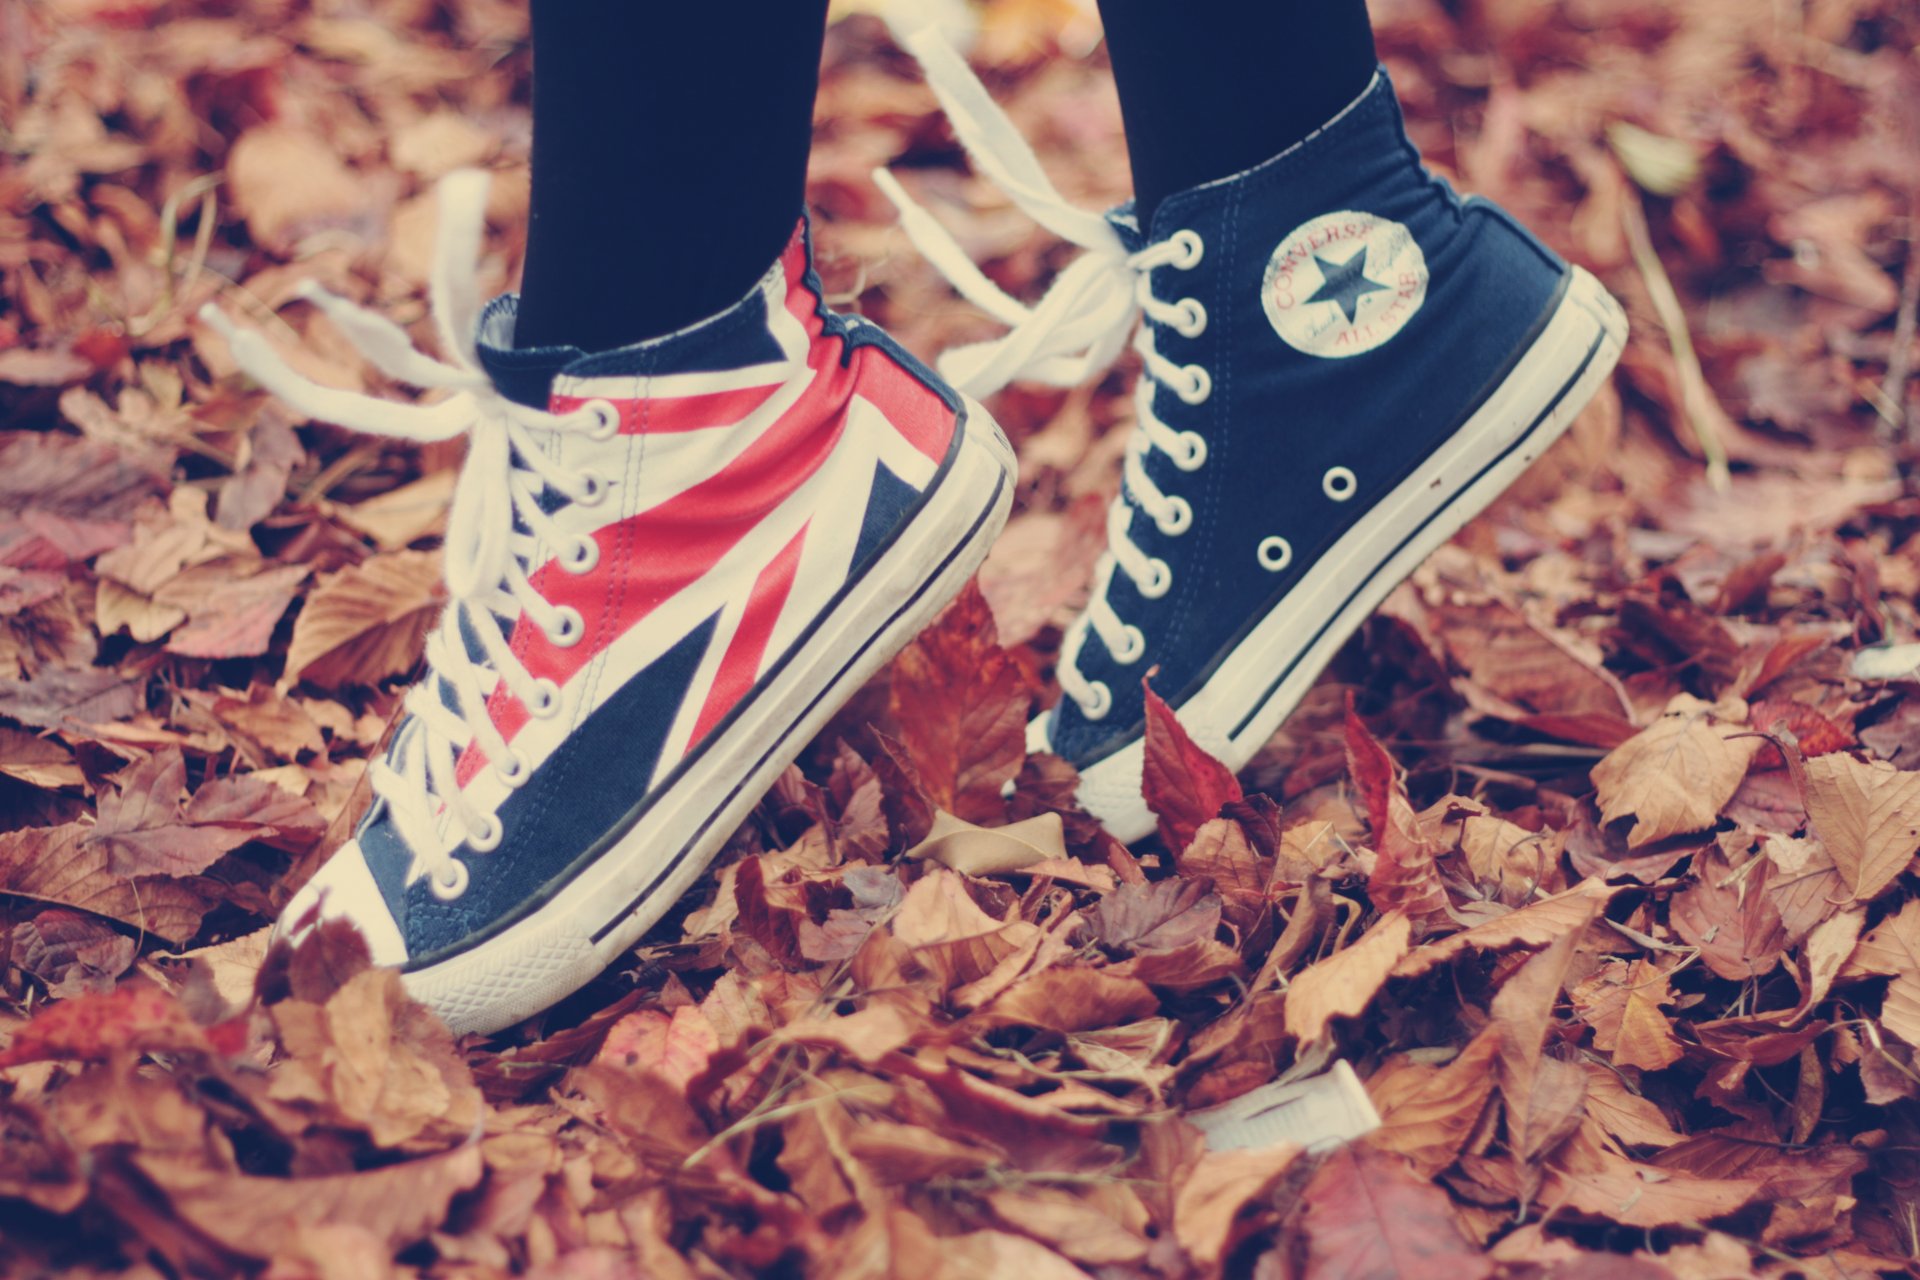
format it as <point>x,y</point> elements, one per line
<point>1346,283</point>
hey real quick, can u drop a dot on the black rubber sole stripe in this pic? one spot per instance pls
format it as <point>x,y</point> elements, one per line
<point>1260,703</point>
<point>673,863</point>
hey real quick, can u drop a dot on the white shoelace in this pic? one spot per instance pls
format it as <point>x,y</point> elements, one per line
<point>1073,333</point>
<point>506,470</point>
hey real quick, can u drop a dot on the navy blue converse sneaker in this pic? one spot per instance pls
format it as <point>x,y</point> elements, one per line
<point>1343,362</point>
<point>668,565</point>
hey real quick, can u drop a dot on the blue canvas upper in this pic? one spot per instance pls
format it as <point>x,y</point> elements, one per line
<point>1278,418</point>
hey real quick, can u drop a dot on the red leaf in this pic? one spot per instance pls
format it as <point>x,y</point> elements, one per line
<point>1183,785</point>
<point>1404,875</point>
<point>142,829</point>
<point>1367,1215</point>
<point>135,1016</point>
<point>1817,735</point>
<point>961,704</point>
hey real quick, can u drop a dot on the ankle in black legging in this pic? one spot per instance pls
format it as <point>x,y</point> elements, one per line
<point>669,161</point>
<point>670,140</point>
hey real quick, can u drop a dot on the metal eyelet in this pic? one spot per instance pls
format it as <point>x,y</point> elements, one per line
<point>1101,704</point>
<point>581,555</point>
<point>546,699</point>
<point>1199,385</point>
<point>1160,583</point>
<point>1191,247</point>
<point>1194,451</point>
<point>487,839</point>
<point>1193,318</point>
<point>572,628</point>
<point>596,490</point>
<point>458,877</point>
<point>606,423</point>
<point>1179,517</point>
<point>1275,553</point>
<point>1340,484</point>
<point>1135,649</point>
<point>513,771</point>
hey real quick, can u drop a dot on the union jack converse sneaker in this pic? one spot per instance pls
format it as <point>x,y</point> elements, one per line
<point>668,565</point>
<point>1342,363</point>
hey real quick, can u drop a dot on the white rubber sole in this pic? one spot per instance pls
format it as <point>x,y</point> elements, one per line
<point>1259,684</point>
<point>590,923</point>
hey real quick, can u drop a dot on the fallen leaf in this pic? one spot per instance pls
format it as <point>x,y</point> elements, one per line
<point>143,831</point>
<point>57,699</point>
<point>1535,925</point>
<point>61,865</point>
<point>1428,1113</point>
<point>1867,815</point>
<point>284,178</point>
<point>1366,1215</point>
<point>365,623</point>
<point>1183,785</point>
<point>676,1047</point>
<point>1731,917</point>
<point>1622,1005</point>
<point>1344,984</point>
<point>398,1205</point>
<point>72,954</point>
<point>1892,948</point>
<point>961,705</point>
<point>985,851</point>
<point>1675,775</point>
<point>1210,1213</point>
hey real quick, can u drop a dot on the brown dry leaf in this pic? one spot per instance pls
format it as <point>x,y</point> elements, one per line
<point>1731,917</point>
<point>363,624</point>
<point>1366,1215</point>
<point>284,178</point>
<point>1080,1227</point>
<point>1622,1005</point>
<point>73,954</point>
<point>38,762</point>
<point>1073,999</point>
<point>369,1057</point>
<point>1428,1113</point>
<point>1209,1213</point>
<point>59,699</point>
<point>1867,815</point>
<point>1676,775</point>
<point>1345,983</point>
<point>676,1047</point>
<point>1185,787</point>
<point>1611,1188</point>
<point>62,865</point>
<point>228,615</point>
<point>984,851</point>
<point>400,517</point>
<point>397,1205</point>
<point>1893,947</point>
<point>144,831</point>
<point>1535,925</point>
<point>1543,1095</point>
<point>1625,1114</point>
<point>1405,874</point>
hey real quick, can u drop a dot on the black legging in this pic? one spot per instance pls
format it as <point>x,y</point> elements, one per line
<point>670,140</point>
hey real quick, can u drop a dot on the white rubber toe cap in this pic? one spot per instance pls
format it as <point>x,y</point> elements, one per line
<point>344,889</point>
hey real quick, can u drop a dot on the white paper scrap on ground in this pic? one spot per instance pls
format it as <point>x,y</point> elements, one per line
<point>1317,1113</point>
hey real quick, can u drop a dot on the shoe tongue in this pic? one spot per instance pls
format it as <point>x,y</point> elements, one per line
<point>1125,219</point>
<point>522,376</point>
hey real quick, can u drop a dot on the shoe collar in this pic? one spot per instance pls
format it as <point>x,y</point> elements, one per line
<point>737,336</point>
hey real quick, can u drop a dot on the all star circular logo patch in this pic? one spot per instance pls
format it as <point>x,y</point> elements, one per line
<point>1344,283</point>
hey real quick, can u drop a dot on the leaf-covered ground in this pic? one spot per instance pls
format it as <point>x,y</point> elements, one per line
<point>1593,853</point>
